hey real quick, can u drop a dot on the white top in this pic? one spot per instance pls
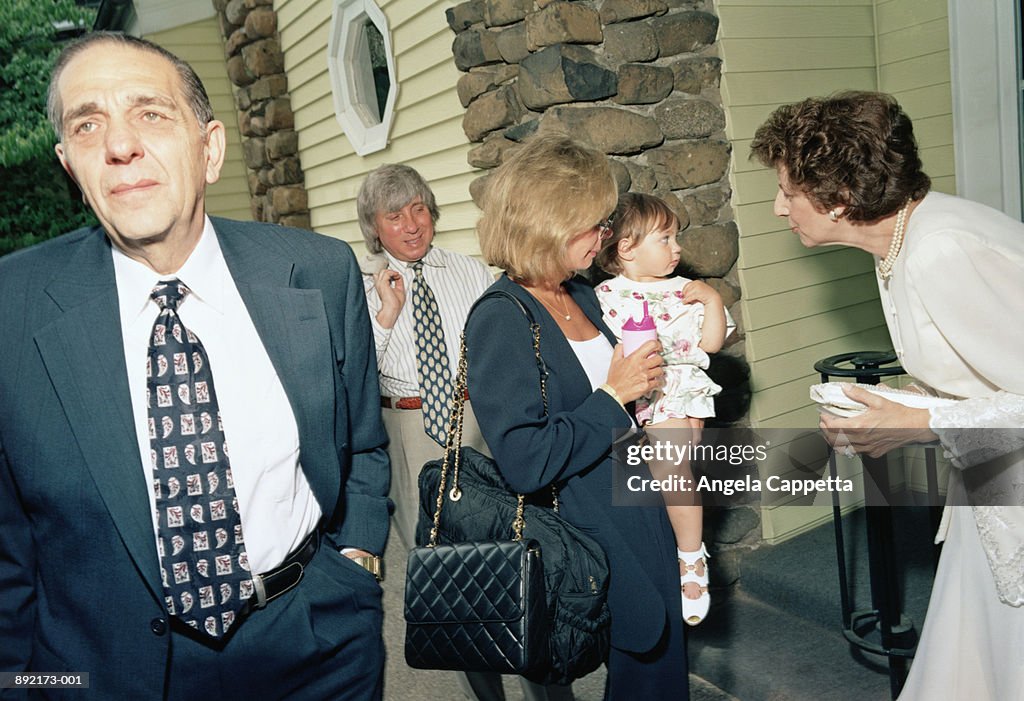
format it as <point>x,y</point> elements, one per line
<point>278,508</point>
<point>456,281</point>
<point>595,355</point>
<point>954,307</point>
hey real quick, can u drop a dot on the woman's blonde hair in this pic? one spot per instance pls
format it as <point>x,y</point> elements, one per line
<point>636,215</point>
<point>549,191</point>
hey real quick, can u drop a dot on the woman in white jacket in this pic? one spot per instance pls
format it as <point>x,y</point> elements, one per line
<point>950,277</point>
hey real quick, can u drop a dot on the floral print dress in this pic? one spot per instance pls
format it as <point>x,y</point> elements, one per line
<point>688,390</point>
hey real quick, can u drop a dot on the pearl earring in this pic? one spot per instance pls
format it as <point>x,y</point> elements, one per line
<point>833,215</point>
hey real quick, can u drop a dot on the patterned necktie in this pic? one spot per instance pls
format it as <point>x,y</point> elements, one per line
<point>203,561</point>
<point>431,357</point>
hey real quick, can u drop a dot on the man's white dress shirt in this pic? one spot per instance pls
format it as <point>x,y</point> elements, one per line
<point>278,508</point>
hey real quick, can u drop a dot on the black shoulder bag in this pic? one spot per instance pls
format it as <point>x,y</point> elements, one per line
<point>502,584</point>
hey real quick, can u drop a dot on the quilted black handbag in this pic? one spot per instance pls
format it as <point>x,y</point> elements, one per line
<point>480,506</point>
<point>476,606</point>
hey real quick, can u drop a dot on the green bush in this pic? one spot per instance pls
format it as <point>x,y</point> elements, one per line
<point>37,201</point>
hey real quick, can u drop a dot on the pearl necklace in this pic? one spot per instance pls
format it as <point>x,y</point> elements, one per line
<point>885,265</point>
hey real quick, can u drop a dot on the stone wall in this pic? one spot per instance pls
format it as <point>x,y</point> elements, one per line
<point>639,80</point>
<point>270,145</point>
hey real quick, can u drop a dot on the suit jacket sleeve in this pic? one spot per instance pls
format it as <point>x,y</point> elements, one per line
<point>367,507</point>
<point>17,578</point>
<point>532,449</point>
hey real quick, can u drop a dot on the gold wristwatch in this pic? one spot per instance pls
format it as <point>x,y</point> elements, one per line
<point>372,564</point>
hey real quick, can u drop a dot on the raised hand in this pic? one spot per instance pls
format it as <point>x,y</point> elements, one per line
<point>391,289</point>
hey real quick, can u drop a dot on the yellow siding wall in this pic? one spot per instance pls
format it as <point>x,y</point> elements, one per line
<point>200,44</point>
<point>800,305</point>
<point>913,65</point>
<point>426,133</point>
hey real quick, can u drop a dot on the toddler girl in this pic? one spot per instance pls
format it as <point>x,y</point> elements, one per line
<point>692,322</point>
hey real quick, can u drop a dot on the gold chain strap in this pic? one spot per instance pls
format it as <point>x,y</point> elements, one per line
<point>453,442</point>
<point>535,328</point>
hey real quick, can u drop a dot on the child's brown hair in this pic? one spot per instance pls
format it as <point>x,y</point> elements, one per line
<point>635,216</point>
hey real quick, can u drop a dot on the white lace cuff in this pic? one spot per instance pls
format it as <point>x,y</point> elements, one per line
<point>969,429</point>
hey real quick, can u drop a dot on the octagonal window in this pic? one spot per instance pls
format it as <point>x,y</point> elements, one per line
<point>362,71</point>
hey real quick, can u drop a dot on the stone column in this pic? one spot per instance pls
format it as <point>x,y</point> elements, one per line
<point>638,80</point>
<point>270,145</point>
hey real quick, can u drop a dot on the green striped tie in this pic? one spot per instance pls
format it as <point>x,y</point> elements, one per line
<point>431,357</point>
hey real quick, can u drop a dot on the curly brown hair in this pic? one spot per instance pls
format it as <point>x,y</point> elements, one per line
<point>853,149</point>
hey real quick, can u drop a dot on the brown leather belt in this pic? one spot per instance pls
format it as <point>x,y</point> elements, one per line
<point>406,402</point>
<point>287,575</point>
<point>401,402</point>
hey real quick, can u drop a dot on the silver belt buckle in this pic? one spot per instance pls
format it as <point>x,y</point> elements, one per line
<point>261,591</point>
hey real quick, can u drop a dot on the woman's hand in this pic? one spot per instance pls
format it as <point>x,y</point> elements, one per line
<point>884,426</point>
<point>391,289</point>
<point>638,374</point>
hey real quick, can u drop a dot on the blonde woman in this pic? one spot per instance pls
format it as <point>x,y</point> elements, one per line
<point>545,216</point>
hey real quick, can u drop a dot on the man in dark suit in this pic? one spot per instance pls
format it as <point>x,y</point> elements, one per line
<point>88,480</point>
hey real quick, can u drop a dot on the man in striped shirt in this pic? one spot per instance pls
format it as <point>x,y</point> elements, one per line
<point>397,213</point>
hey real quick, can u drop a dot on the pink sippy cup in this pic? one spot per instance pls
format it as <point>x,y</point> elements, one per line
<point>636,333</point>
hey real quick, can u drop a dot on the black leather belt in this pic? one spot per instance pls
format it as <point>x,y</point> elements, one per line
<point>285,577</point>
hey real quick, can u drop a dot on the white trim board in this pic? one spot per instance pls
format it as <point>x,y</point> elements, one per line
<point>152,16</point>
<point>986,103</point>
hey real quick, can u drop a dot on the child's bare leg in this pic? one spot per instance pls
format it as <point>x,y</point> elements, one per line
<point>685,516</point>
<point>688,525</point>
<point>684,510</point>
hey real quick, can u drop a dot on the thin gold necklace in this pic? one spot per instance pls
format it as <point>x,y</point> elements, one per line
<point>565,310</point>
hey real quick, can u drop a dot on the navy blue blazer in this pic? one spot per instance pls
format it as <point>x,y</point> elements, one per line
<point>570,445</point>
<point>76,533</point>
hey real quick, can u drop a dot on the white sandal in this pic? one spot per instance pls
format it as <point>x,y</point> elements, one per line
<point>694,610</point>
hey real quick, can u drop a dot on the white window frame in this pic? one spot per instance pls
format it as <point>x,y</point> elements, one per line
<point>362,128</point>
<point>986,103</point>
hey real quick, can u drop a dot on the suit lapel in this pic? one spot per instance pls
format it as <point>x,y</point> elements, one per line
<point>84,356</point>
<point>292,324</point>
